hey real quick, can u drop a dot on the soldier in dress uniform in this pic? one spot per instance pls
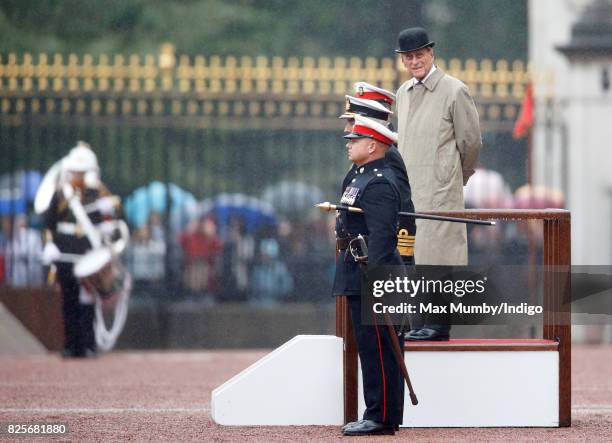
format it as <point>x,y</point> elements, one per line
<point>373,188</point>
<point>78,177</point>
<point>377,107</point>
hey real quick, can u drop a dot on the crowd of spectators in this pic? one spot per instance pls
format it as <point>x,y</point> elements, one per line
<point>271,265</point>
<point>287,262</point>
<point>20,253</point>
<point>290,260</point>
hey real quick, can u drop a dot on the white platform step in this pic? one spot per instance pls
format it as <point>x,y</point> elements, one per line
<point>481,389</point>
<point>299,383</point>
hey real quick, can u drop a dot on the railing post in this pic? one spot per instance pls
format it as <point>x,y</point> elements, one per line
<point>344,330</point>
<point>557,306</point>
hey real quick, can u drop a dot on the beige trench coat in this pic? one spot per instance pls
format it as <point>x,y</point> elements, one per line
<point>439,139</point>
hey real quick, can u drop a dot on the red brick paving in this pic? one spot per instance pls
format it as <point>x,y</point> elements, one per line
<point>165,396</point>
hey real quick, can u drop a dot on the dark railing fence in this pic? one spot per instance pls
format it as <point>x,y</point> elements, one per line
<point>203,163</point>
<point>266,129</point>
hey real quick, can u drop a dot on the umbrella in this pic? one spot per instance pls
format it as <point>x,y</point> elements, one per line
<point>290,197</point>
<point>17,190</point>
<point>152,198</point>
<point>538,197</point>
<point>224,207</point>
<point>487,189</point>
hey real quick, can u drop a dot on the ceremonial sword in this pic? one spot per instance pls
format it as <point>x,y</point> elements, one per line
<point>327,206</point>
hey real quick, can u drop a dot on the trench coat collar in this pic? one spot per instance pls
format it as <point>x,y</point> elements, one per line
<point>430,82</point>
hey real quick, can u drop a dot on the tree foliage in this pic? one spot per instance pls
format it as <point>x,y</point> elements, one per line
<point>462,28</point>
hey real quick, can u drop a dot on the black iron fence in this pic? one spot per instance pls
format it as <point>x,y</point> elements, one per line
<point>228,154</point>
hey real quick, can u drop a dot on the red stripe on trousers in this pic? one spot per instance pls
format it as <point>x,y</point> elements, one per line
<point>382,366</point>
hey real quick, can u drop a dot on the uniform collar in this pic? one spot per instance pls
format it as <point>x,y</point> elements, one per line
<point>431,79</point>
<point>374,165</point>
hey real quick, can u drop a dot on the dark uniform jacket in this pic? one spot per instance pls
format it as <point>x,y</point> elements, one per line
<point>59,219</point>
<point>395,162</point>
<point>373,188</point>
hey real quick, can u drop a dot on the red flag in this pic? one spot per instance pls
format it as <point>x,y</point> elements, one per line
<point>525,120</point>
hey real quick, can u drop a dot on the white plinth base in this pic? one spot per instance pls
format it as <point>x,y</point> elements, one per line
<point>299,383</point>
<point>482,389</point>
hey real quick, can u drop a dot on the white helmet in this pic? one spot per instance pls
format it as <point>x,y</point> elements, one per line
<point>80,159</point>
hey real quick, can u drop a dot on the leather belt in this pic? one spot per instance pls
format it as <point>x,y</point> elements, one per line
<point>343,243</point>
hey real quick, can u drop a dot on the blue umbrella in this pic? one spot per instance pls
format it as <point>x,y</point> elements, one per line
<point>152,198</point>
<point>256,213</point>
<point>292,197</point>
<point>17,190</point>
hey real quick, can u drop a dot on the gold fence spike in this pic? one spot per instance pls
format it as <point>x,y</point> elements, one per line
<point>158,107</point>
<point>454,66</point>
<point>96,106</point>
<point>371,63</point>
<point>239,108</point>
<point>80,106</point>
<point>280,76</point>
<point>142,106</point>
<point>111,106</point>
<point>103,73</point>
<point>126,106</point>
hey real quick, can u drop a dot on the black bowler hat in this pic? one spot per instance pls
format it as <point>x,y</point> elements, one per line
<point>412,39</point>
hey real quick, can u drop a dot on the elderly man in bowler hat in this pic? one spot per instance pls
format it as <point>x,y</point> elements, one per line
<point>440,140</point>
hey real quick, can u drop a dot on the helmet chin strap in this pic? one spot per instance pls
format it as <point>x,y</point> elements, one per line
<point>92,178</point>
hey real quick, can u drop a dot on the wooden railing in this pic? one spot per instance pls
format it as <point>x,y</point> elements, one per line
<point>557,319</point>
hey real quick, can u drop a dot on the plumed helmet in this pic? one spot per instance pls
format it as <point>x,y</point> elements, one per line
<point>81,159</point>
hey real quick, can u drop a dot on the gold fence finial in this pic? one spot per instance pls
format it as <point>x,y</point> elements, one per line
<point>247,86</point>
<point>167,62</point>
<point>167,56</point>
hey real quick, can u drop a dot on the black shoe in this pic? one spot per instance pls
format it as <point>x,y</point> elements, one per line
<point>370,427</point>
<point>68,353</point>
<point>427,334</point>
<point>351,424</point>
<point>81,353</point>
<point>90,353</point>
<point>409,333</point>
<point>354,423</point>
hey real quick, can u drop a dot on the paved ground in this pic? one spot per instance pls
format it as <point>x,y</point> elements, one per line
<point>155,396</point>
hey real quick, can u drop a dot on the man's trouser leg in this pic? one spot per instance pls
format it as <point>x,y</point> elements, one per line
<point>78,317</point>
<point>71,308</point>
<point>383,385</point>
